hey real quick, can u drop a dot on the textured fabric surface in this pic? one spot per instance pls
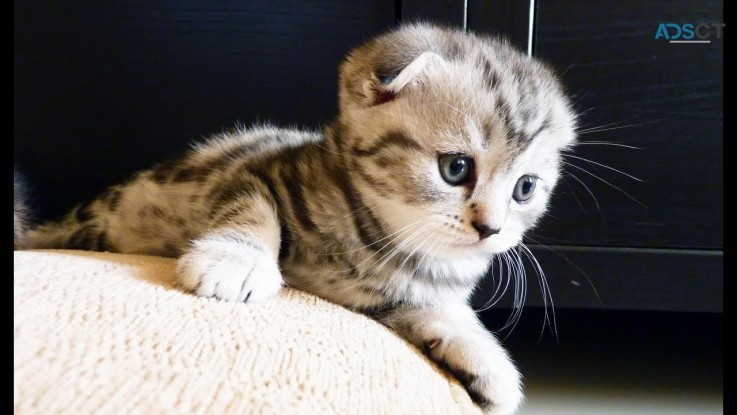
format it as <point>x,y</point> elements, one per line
<point>101,333</point>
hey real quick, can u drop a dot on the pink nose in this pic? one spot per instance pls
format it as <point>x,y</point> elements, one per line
<point>484,231</point>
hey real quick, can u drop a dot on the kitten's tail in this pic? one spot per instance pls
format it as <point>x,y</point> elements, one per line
<point>68,233</point>
<point>21,213</point>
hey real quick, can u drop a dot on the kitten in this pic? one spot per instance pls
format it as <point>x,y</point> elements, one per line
<point>445,152</point>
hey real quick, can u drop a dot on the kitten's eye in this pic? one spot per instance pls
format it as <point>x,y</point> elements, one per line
<point>456,169</point>
<point>524,188</point>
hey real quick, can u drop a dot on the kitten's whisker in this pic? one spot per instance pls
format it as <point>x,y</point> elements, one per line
<point>491,301</point>
<point>546,293</point>
<point>601,129</point>
<point>573,264</point>
<point>503,276</point>
<point>584,112</point>
<point>513,311</point>
<point>490,274</point>
<point>427,251</point>
<point>606,143</point>
<point>604,181</point>
<point>587,189</point>
<point>520,291</point>
<point>377,241</point>
<point>496,284</point>
<point>488,303</point>
<point>586,127</point>
<point>523,287</point>
<point>398,234</point>
<point>379,232</point>
<point>401,265</point>
<point>545,290</point>
<point>384,258</point>
<point>513,273</point>
<point>602,165</point>
<point>393,252</point>
<point>577,99</point>
<point>493,280</point>
<point>573,192</point>
<point>508,269</point>
<point>409,240</point>
<point>566,70</point>
<point>362,208</point>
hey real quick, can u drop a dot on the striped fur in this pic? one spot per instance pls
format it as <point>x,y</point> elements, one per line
<point>360,214</point>
<point>20,213</point>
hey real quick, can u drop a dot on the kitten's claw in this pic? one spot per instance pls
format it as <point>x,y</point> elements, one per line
<point>220,269</point>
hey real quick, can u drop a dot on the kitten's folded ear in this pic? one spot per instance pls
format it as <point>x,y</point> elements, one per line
<point>391,83</point>
<point>368,79</point>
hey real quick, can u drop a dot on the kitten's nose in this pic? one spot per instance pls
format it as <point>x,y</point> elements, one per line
<point>484,231</point>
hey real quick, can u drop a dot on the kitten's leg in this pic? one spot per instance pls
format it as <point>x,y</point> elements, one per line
<point>452,336</point>
<point>237,259</point>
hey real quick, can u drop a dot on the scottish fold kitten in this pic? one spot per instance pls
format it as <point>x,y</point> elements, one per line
<point>445,151</point>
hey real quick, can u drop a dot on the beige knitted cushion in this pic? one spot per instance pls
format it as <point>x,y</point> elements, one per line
<point>100,333</point>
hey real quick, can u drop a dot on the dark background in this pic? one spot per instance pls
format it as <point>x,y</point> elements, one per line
<point>105,88</point>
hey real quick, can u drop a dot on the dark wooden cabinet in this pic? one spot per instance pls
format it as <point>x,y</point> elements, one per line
<point>102,89</point>
<point>653,244</point>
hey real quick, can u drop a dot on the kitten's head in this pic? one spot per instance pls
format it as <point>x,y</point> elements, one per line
<point>454,138</point>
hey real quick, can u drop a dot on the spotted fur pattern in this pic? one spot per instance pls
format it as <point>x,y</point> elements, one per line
<point>360,213</point>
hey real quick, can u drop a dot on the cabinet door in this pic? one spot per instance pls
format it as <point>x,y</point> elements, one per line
<point>637,221</point>
<point>638,90</point>
<point>103,89</point>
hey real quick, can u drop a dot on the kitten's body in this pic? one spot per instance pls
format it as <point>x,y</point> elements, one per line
<point>362,214</point>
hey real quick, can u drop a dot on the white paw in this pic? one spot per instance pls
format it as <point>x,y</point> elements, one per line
<point>229,270</point>
<point>484,369</point>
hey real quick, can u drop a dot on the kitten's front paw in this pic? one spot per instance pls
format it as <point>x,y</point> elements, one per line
<point>234,272</point>
<point>487,373</point>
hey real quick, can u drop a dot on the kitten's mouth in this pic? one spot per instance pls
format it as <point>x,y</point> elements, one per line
<point>488,245</point>
<point>468,244</point>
